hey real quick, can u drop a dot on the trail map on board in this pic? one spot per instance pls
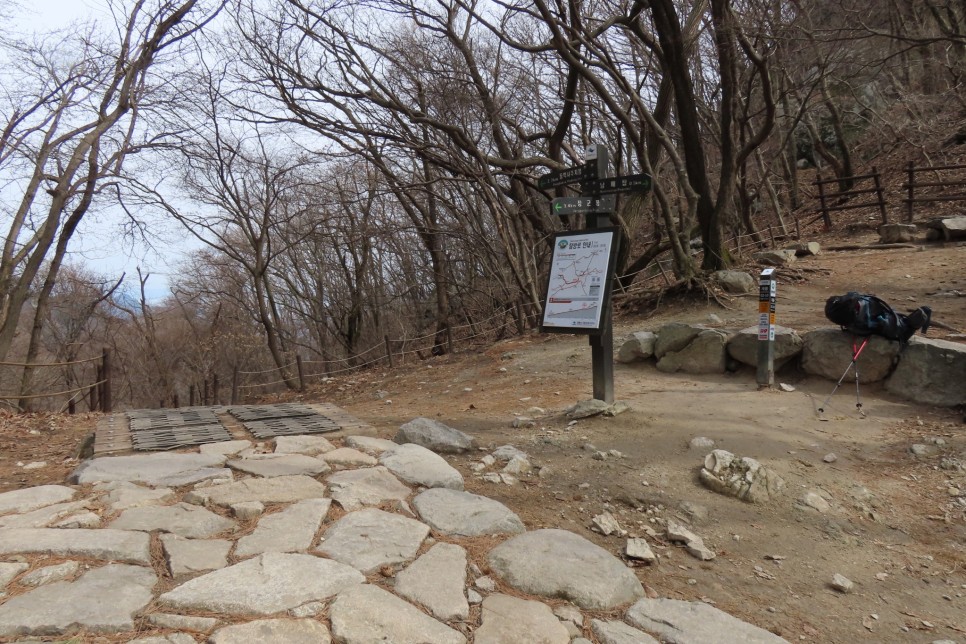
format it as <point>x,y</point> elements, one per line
<point>579,277</point>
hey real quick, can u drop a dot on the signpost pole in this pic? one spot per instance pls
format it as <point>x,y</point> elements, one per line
<point>767,291</point>
<point>602,345</point>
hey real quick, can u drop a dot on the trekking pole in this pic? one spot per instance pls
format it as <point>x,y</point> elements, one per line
<point>855,356</point>
<point>858,400</point>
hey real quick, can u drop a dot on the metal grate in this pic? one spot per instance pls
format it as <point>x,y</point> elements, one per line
<point>159,438</point>
<point>269,427</point>
<point>264,412</point>
<point>150,419</point>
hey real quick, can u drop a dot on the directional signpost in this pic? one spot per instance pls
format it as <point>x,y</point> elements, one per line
<point>597,201</point>
<point>582,205</point>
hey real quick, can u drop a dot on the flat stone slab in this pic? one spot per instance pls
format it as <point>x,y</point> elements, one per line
<point>355,489</point>
<point>173,638</point>
<point>437,580</point>
<point>291,530</point>
<point>368,539</point>
<point>225,448</point>
<point>64,607</point>
<point>192,556</point>
<point>273,631</point>
<point>419,466</point>
<point>42,517</point>
<point>365,614</point>
<point>280,489</point>
<point>49,574</point>
<point>560,564</point>
<point>122,495</point>
<point>682,622</point>
<point>263,585</point>
<point>156,470</point>
<point>107,544</point>
<point>182,519</point>
<point>369,444</point>
<point>272,465</point>
<point>434,436</point>
<point>464,514</point>
<point>348,457</point>
<point>32,498</point>
<point>308,445</point>
<point>614,632</point>
<point>510,619</point>
<point>10,570</point>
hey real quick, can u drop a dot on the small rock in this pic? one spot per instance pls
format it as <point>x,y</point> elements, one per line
<point>639,549</point>
<point>815,501</point>
<point>473,597</point>
<point>488,460</point>
<point>599,456</point>
<point>492,477</point>
<point>607,524</point>
<point>841,583</point>
<point>786,387</point>
<point>701,442</point>
<point>486,584</point>
<point>830,458</point>
<point>35,465</point>
<point>508,479</point>
<point>518,465</point>
<point>918,449</point>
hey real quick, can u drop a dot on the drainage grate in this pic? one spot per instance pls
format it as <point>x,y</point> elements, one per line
<point>264,412</point>
<point>158,438</point>
<point>269,427</point>
<point>161,418</point>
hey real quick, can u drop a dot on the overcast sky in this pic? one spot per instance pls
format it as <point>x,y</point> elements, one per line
<point>99,244</point>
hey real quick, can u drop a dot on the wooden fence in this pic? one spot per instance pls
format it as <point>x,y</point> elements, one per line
<point>98,393</point>
<point>918,191</point>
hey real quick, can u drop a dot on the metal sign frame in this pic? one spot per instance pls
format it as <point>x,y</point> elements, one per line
<point>563,242</point>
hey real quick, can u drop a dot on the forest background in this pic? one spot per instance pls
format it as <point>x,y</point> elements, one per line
<point>360,176</point>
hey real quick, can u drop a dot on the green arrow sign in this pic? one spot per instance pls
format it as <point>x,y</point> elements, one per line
<point>578,205</point>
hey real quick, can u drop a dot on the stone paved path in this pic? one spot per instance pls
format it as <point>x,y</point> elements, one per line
<point>354,540</point>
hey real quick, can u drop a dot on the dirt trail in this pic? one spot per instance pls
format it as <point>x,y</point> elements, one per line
<point>893,527</point>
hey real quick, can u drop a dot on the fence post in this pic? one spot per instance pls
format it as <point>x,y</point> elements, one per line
<point>298,366</point>
<point>798,230</point>
<point>234,385</point>
<point>388,350</point>
<point>191,395</point>
<point>106,393</point>
<point>214,390</point>
<point>71,407</point>
<point>821,197</point>
<point>175,401</point>
<point>449,338</point>
<point>204,396</point>
<point>879,193</point>
<point>911,188</point>
<point>95,402</point>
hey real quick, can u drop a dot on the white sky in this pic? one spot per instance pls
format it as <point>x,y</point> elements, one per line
<point>99,244</point>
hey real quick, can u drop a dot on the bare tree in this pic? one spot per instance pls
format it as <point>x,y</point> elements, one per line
<point>71,115</point>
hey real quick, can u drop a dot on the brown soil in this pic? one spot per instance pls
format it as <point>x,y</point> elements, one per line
<point>894,529</point>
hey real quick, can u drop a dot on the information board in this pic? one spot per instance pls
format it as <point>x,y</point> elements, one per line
<point>579,283</point>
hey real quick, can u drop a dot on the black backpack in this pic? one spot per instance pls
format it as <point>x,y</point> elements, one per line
<point>866,315</point>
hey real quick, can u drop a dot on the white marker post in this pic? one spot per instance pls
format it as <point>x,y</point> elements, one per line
<point>767,290</point>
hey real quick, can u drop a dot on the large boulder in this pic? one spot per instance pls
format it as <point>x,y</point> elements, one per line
<point>735,281</point>
<point>896,233</point>
<point>827,352</point>
<point>434,436</point>
<point>675,336</point>
<point>639,346</point>
<point>704,354</point>
<point>804,249</point>
<point>743,346</point>
<point>931,371</point>
<point>774,257</point>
